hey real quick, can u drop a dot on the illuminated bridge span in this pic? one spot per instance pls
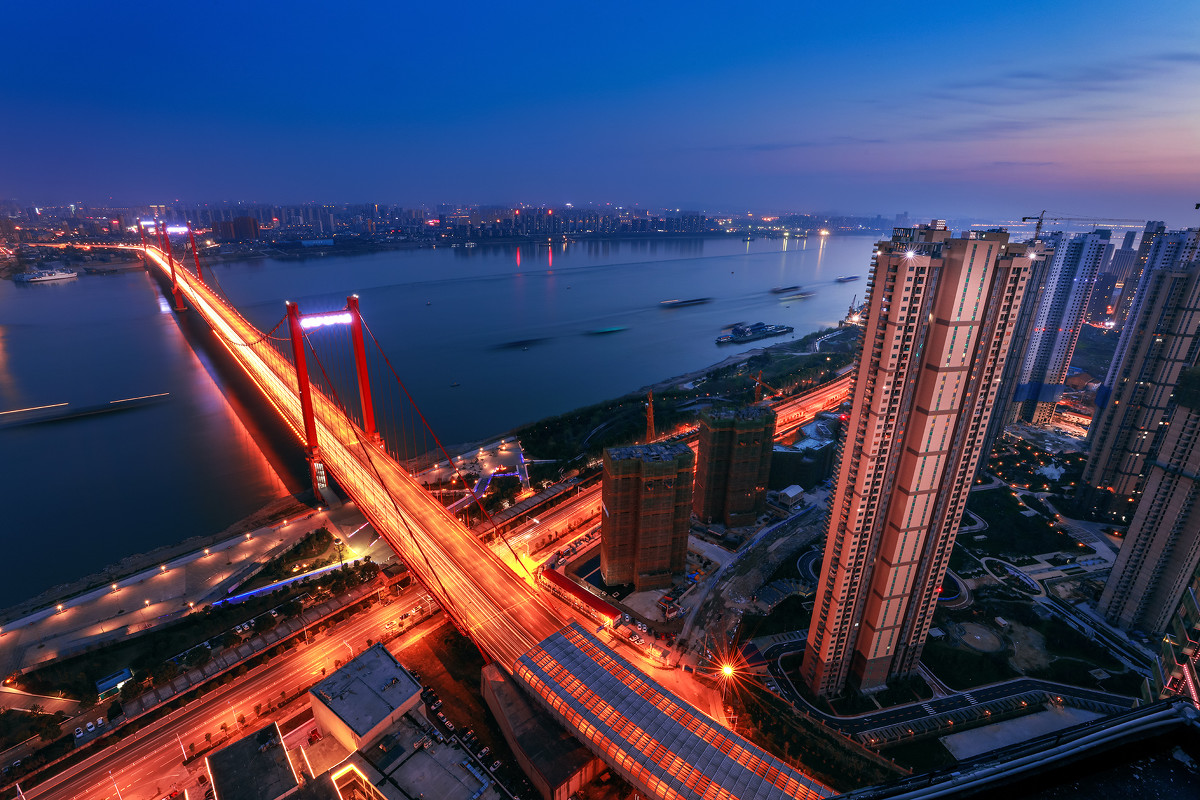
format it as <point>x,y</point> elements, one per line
<point>657,741</point>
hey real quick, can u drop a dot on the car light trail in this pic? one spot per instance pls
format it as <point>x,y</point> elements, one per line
<point>509,618</point>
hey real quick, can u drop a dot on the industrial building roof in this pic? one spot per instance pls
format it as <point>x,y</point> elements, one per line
<point>659,741</point>
<point>366,691</point>
<point>253,768</point>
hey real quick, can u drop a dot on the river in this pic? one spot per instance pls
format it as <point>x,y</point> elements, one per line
<point>485,339</point>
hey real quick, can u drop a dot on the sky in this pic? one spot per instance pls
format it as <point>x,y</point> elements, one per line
<point>987,109</point>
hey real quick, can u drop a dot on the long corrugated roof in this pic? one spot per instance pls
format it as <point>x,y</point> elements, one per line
<point>656,740</point>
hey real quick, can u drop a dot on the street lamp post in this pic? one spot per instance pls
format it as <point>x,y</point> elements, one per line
<point>118,788</point>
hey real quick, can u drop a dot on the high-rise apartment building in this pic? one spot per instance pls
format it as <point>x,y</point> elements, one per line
<point>938,329</point>
<point>1179,652</point>
<point>1162,547</point>
<point>733,463</point>
<point>1057,322</point>
<point>1004,411</point>
<point>1160,339</point>
<point>646,512</point>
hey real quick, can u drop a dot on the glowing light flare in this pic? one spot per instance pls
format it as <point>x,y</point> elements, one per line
<point>321,320</point>
<point>727,670</point>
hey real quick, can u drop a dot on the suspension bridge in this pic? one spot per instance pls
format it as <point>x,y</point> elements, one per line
<point>643,731</point>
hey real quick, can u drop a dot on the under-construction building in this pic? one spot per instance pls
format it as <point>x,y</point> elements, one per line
<point>733,464</point>
<point>646,511</point>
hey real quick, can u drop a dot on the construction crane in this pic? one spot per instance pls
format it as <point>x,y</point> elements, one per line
<point>759,386</point>
<point>650,417</point>
<point>1037,232</point>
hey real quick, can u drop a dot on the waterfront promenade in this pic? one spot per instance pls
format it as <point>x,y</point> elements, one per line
<point>156,594</point>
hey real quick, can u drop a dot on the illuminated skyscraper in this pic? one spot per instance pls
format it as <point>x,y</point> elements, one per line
<point>1160,339</point>
<point>645,515</point>
<point>733,463</point>
<point>1058,319</point>
<point>939,321</point>
<point>1161,550</point>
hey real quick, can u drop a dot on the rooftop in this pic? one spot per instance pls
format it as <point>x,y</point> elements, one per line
<point>253,768</point>
<point>736,413</point>
<point>549,747</point>
<point>650,452</point>
<point>367,690</point>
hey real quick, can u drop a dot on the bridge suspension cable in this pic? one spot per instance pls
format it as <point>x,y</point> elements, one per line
<point>450,608</point>
<point>449,460</point>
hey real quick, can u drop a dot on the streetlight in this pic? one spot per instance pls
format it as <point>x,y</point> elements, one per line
<point>726,673</point>
<point>351,649</point>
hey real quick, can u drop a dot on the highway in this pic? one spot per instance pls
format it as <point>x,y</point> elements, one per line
<point>500,609</point>
<point>149,764</point>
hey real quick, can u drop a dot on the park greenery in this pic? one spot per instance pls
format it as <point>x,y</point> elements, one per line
<point>1073,655</point>
<point>582,434</point>
<point>1019,464</point>
<point>799,739</point>
<point>17,725</point>
<point>1012,533</point>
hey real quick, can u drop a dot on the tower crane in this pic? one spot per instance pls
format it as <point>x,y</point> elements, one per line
<point>650,434</point>
<point>759,386</point>
<point>1037,232</point>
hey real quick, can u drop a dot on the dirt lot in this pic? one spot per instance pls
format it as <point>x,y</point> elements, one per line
<point>1029,648</point>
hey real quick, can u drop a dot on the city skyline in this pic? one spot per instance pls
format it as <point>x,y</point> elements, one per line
<point>783,108</point>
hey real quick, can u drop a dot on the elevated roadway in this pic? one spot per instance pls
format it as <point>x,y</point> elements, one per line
<point>501,611</point>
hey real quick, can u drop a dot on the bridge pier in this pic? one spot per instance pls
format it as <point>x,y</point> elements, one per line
<point>166,248</point>
<point>316,467</point>
<point>360,368</point>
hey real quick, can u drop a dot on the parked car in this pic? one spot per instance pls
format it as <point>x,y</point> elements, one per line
<point>79,733</point>
<point>435,705</point>
<point>91,726</point>
<point>485,752</point>
<point>495,765</point>
<point>99,721</point>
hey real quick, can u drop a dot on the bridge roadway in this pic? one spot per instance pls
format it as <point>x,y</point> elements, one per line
<point>676,754</point>
<point>504,614</point>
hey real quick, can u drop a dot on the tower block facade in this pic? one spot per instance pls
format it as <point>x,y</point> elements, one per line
<point>733,464</point>
<point>940,316</point>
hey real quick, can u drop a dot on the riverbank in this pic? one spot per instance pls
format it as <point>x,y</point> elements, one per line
<point>277,510</point>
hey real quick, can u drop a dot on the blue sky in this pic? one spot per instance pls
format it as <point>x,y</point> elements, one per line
<point>954,109</point>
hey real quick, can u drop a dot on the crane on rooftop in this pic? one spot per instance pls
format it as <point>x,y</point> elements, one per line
<point>1041,218</point>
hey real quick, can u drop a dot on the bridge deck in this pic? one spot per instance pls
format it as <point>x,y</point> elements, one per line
<point>658,741</point>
